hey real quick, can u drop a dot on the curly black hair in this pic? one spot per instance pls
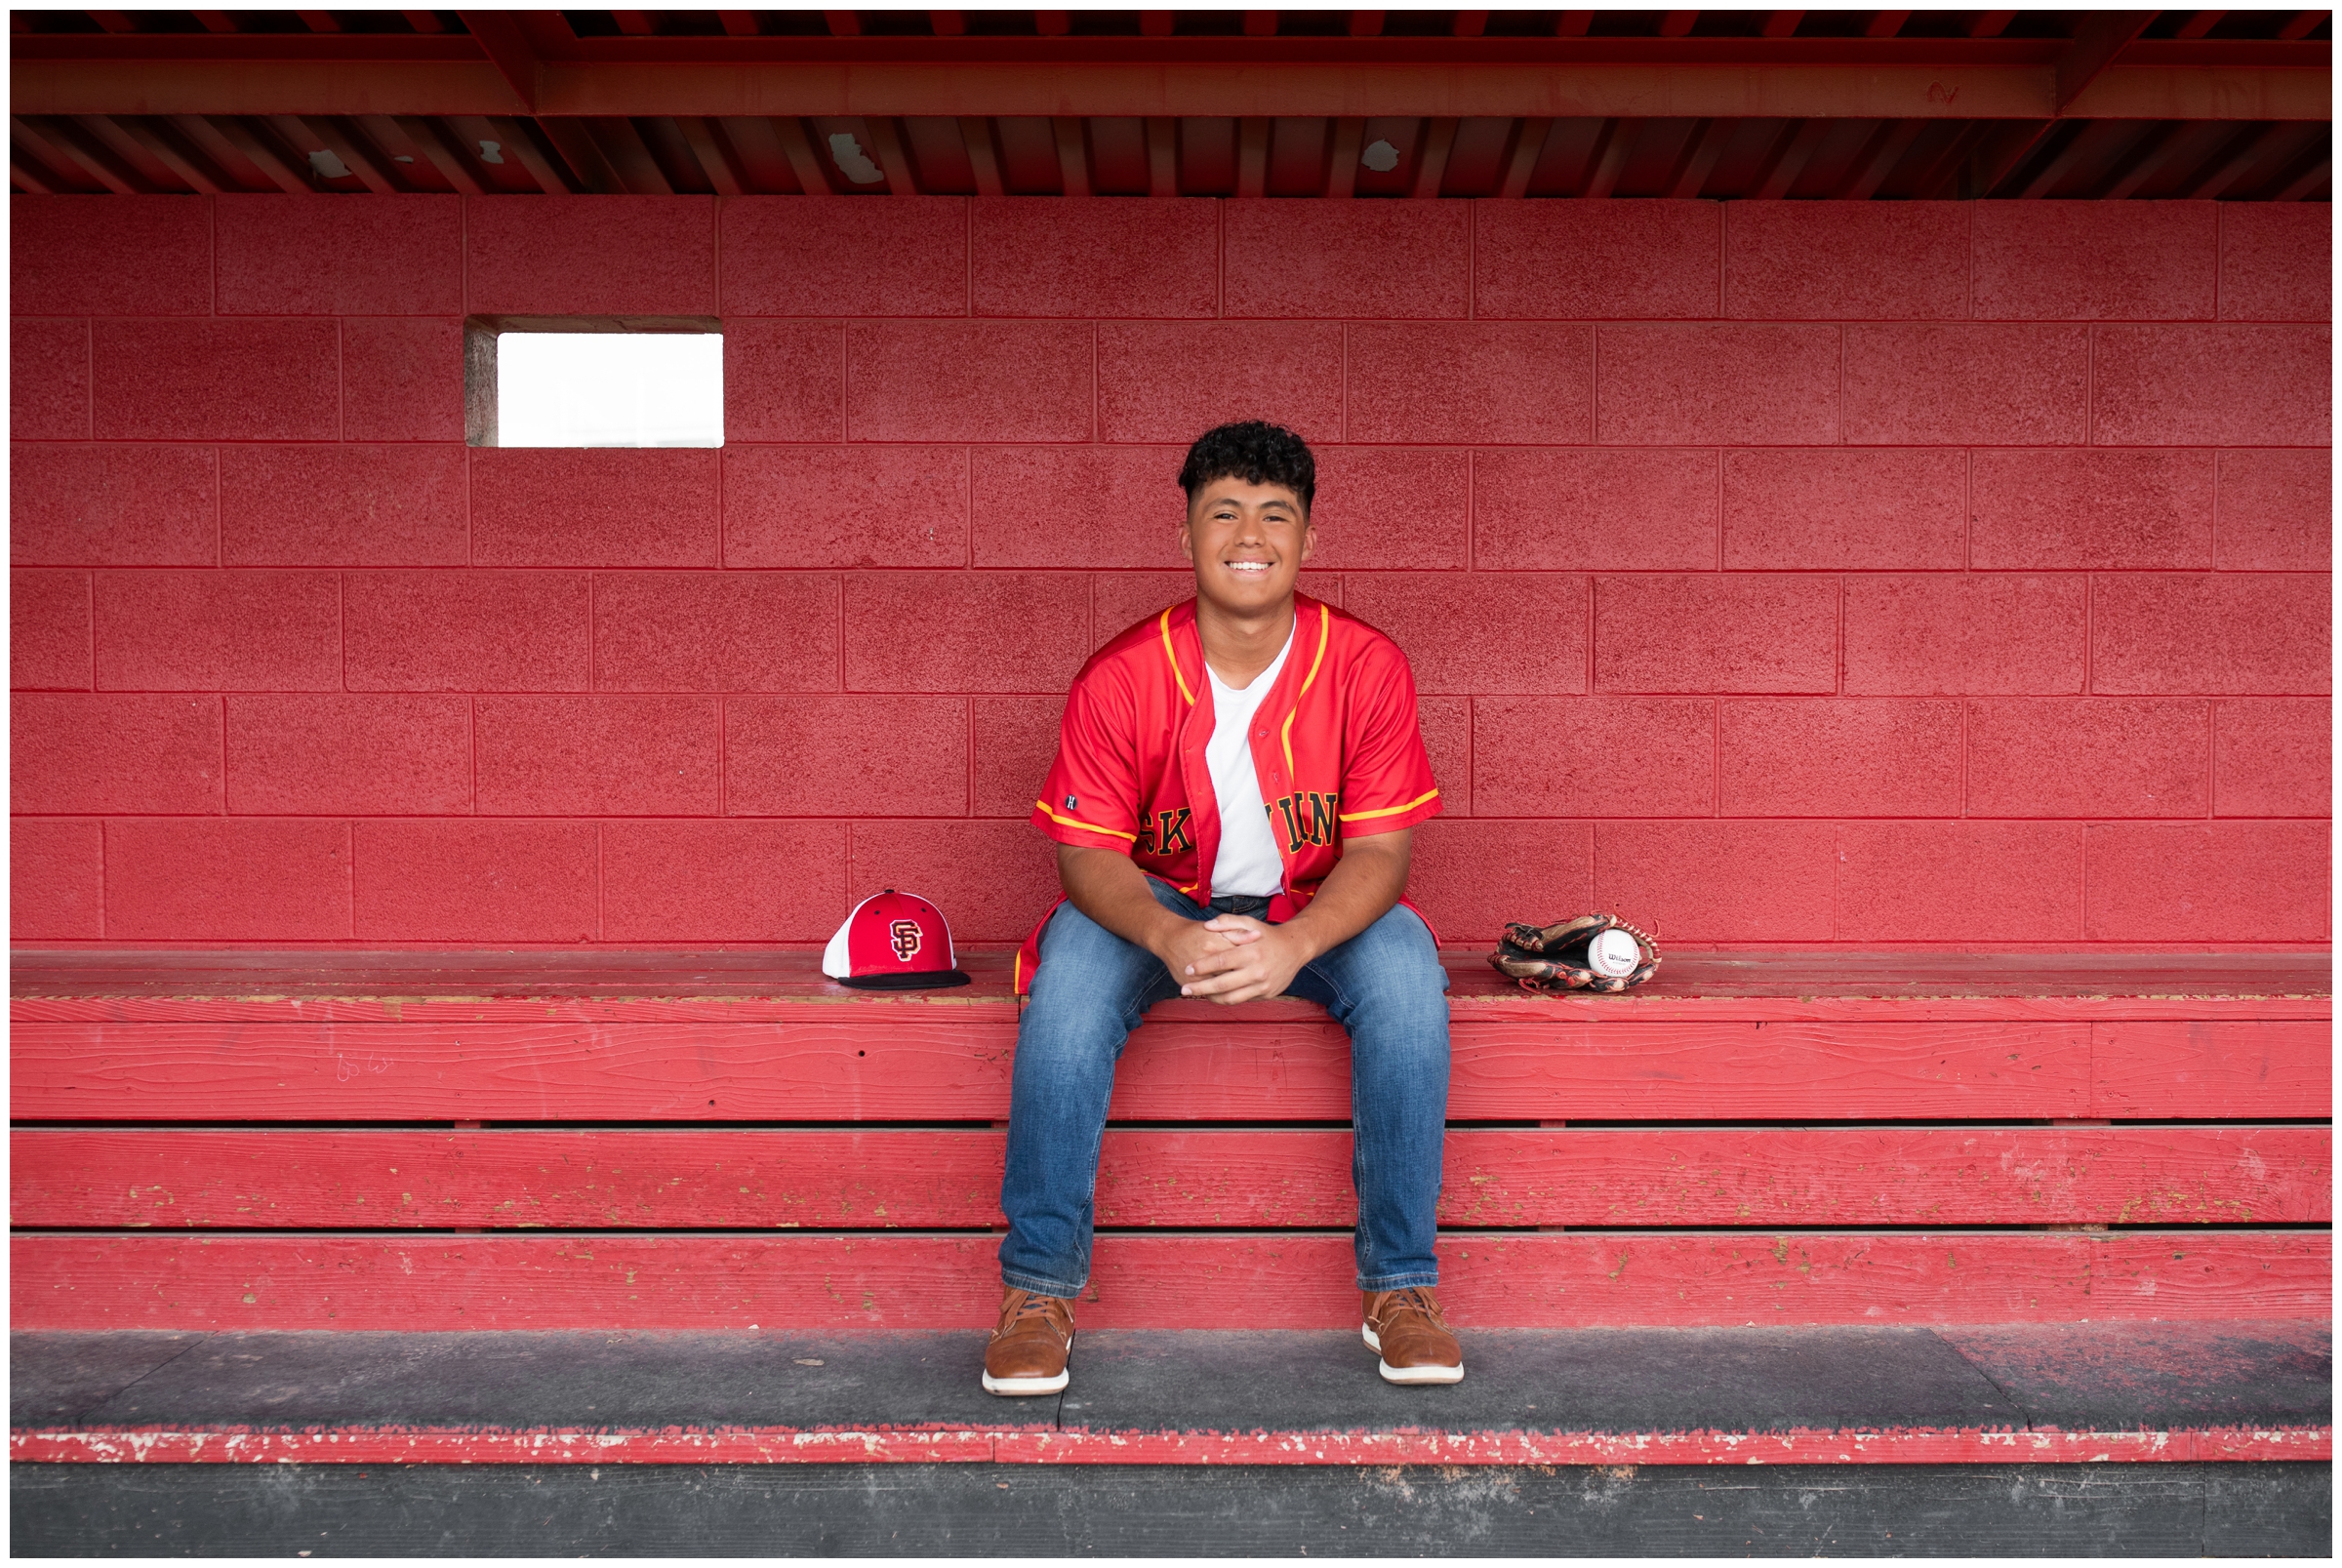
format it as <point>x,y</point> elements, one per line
<point>1256,451</point>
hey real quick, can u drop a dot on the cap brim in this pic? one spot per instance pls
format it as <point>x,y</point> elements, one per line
<point>916,981</point>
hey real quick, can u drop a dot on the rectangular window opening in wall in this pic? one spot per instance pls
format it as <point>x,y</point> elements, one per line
<point>593,382</point>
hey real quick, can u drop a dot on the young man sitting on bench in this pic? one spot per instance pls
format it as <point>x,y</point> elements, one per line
<point>1236,783</point>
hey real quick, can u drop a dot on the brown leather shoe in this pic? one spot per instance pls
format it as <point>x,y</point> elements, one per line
<point>1028,1349</point>
<point>1405,1329</point>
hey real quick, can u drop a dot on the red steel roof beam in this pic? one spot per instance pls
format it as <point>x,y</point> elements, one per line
<point>2197,26</point>
<point>115,21</point>
<point>1676,23</point>
<point>1053,23</point>
<point>1471,23</point>
<point>2101,36</point>
<point>221,21</point>
<point>1991,24</point>
<point>1155,23</point>
<point>224,140</point>
<point>424,21</point>
<point>942,23</point>
<point>1528,146</point>
<point>1259,24</point>
<point>843,24</point>
<point>1572,23</point>
<point>1782,23</point>
<point>2304,24</point>
<point>318,20</point>
<point>636,23</point>
<point>1439,141</point>
<point>1886,23</point>
<point>1365,24</point>
<point>1342,159</point>
<point>425,137</point>
<point>2307,182</point>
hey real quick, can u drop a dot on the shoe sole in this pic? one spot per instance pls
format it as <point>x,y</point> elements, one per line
<point>1409,1375</point>
<point>1021,1388</point>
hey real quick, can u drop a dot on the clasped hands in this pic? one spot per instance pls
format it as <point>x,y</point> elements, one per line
<point>1234,958</point>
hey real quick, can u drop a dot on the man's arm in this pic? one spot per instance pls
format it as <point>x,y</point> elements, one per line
<point>1108,887</point>
<point>1261,959</point>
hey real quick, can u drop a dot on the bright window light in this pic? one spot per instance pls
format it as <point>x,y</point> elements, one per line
<point>610,389</point>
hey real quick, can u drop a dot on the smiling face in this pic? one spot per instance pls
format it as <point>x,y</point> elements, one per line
<point>1247,543</point>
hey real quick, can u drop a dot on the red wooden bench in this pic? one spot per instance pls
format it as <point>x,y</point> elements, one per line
<point>560,1139</point>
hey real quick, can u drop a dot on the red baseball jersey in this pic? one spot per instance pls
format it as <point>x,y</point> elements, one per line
<point>1335,745</point>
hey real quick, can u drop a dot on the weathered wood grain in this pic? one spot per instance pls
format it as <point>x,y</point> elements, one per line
<point>169,1179</point>
<point>2213,1068</point>
<point>921,1065</point>
<point>1295,1279</point>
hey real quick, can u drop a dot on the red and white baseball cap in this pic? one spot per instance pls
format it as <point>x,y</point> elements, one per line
<point>893,942</point>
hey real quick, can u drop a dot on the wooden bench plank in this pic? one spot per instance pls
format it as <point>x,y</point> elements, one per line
<point>2213,1068</point>
<point>1584,1175</point>
<point>1294,1279</point>
<point>922,1067</point>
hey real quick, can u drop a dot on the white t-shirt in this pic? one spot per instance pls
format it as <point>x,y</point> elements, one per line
<point>1248,864</point>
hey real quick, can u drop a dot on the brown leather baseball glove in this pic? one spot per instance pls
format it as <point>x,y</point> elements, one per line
<point>1563,957</point>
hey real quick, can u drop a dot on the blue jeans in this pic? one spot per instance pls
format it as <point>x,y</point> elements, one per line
<point>1385,986</point>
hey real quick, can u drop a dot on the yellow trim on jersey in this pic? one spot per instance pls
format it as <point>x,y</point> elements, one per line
<point>1389,811</point>
<point>1177,673</point>
<point>1326,626</point>
<point>1043,806</point>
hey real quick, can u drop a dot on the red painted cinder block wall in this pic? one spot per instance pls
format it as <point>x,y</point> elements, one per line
<point>1773,573</point>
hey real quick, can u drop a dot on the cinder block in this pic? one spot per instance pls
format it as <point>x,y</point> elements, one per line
<point>106,256</point>
<point>590,256</point>
<point>719,881</point>
<point>1967,386</point>
<point>2273,757</point>
<point>580,507</point>
<point>451,880</point>
<point>56,880</point>
<point>1043,256</point>
<point>1381,261</point>
<point>217,380</point>
<point>1471,877</point>
<point>103,754</point>
<point>341,505</point>
<point>966,632</point>
<point>2209,882</point>
<point>846,756</point>
<point>1446,724</point>
<point>467,632</point>
<point>1719,881</point>
<point>49,380</point>
<point>1847,261</point>
<point>1743,632</point>
<point>715,632</point>
<point>2090,756</point>
<point>1174,381</point>
<point>334,755</point>
<point>1404,508</point>
<point>1575,511</point>
<point>1492,382</point>
<point>390,255</point>
<point>2095,260</point>
<point>1464,633</point>
<point>1127,500</point>
<point>402,379</point>
<point>2268,387</point>
<point>2276,513</point>
<point>49,631</point>
<point>846,506</point>
<point>597,757</point>
<point>208,879</point>
<point>2229,634</point>
<point>1978,883</point>
<point>845,255</point>
<point>1839,757</point>
<point>2092,510</point>
<point>1594,756</point>
<point>981,381</point>
<point>1991,636</point>
<point>785,380</point>
<point>1015,740</point>
<point>218,631</point>
<point>1749,385</point>
<point>2276,261</point>
<point>1626,261</point>
<point>107,506</point>
<point>1823,510</point>
<point>991,879</point>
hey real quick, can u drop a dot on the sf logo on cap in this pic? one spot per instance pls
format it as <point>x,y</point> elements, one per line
<point>906,939</point>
